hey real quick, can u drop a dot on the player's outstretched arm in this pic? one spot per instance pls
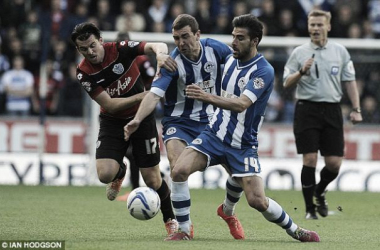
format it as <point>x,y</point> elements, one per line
<point>238,105</point>
<point>147,106</point>
<point>114,105</point>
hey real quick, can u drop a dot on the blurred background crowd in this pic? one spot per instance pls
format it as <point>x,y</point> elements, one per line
<point>32,31</point>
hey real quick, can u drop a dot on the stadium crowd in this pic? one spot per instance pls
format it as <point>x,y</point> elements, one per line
<point>32,31</point>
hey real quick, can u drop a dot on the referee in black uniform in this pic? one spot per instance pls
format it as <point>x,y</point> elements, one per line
<point>319,68</point>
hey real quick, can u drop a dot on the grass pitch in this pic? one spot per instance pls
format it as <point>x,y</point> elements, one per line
<point>85,219</point>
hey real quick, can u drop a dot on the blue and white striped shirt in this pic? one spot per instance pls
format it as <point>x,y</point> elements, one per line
<point>255,80</point>
<point>206,72</point>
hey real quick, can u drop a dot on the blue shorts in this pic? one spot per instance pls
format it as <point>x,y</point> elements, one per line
<point>240,162</point>
<point>181,129</point>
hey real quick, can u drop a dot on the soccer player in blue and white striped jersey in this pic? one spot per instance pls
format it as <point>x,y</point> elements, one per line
<point>231,137</point>
<point>199,61</point>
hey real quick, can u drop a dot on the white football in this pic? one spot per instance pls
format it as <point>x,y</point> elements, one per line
<point>143,203</point>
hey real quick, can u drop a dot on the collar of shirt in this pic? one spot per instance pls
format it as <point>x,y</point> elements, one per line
<point>316,47</point>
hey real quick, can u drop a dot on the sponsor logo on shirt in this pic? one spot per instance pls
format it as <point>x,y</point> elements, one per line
<point>118,88</point>
<point>118,69</point>
<point>80,76</point>
<point>228,95</point>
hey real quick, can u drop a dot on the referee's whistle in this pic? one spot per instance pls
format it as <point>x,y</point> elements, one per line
<point>316,67</point>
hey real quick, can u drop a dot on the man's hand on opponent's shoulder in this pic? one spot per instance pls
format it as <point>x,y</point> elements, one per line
<point>165,61</point>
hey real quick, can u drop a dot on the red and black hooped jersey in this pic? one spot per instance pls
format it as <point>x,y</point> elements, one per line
<point>118,75</point>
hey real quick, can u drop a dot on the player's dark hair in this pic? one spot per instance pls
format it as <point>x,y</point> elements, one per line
<point>252,24</point>
<point>83,31</point>
<point>183,20</point>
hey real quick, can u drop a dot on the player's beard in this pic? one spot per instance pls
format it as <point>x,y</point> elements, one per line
<point>241,54</point>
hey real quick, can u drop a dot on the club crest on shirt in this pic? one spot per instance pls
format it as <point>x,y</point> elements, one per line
<point>133,44</point>
<point>86,86</point>
<point>258,83</point>
<point>334,70</point>
<point>118,69</point>
<point>242,83</point>
<point>80,76</point>
<point>197,141</point>
<point>208,67</point>
<point>171,130</point>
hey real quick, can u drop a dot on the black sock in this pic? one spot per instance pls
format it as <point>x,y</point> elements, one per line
<point>166,203</point>
<point>135,174</point>
<point>308,185</point>
<point>121,173</point>
<point>326,178</point>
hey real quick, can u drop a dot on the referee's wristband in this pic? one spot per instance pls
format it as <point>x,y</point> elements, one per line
<point>301,72</point>
<point>357,110</point>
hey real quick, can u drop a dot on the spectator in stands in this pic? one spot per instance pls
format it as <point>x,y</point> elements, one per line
<point>15,48</point>
<point>54,83</point>
<point>222,7</point>
<point>342,22</point>
<point>60,57</point>
<point>17,84</point>
<point>222,25</point>
<point>374,16</point>
<point>55,26</point>
<point>203,15</point>
<point>12,13</point>
<point>367,29</point>
<point>130,20</point>
<point>156,14</point>
<point>175,10</point>
<point>4,66</point>
<point>71,95</point>
<point>30,33</point>
<point>355,31</point>
<point>80,14</point>
<point>371,113</point>
<point>267,15</point>
<point>286,25</point>
<point>240,8</point>
<point>105,17</point>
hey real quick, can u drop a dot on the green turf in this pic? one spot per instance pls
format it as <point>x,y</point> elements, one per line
<point>85,219</point>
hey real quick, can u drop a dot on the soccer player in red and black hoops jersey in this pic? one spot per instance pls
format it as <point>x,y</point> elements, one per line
<point>112,79</point>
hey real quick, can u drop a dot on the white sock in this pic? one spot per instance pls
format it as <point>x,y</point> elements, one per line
<point>233,194</point>
<point>277,215</point>
<point>180,196</point>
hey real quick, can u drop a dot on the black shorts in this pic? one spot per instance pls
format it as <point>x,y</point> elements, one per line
<point>319,126</point>
<point>145,144</point>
